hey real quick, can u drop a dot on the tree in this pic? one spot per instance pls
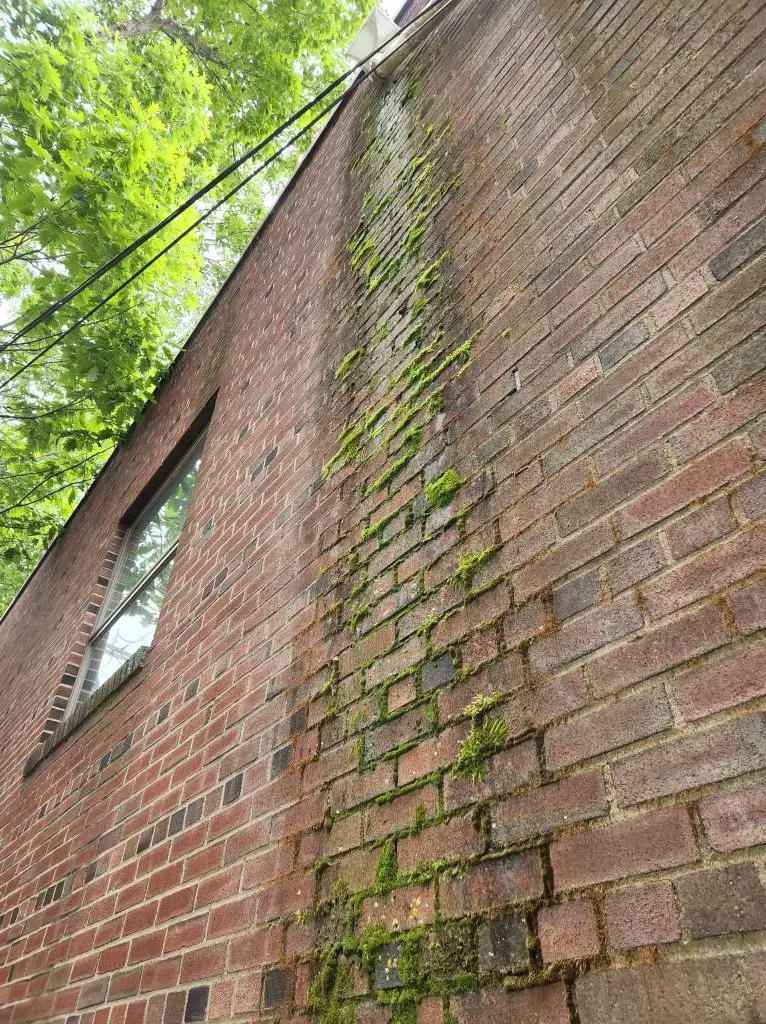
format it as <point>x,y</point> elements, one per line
<point>111,113</point>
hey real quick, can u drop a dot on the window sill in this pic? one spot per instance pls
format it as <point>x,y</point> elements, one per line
<point>133,665</point>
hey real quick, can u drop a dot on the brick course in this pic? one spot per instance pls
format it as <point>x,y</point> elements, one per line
<point>539,479</point>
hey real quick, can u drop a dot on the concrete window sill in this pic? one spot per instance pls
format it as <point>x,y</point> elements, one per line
<point>133,665</point>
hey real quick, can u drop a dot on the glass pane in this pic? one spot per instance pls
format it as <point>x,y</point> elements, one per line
<point>155,532</point>
<point>133,629</point>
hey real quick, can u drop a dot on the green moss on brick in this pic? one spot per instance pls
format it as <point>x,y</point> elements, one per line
<point>469,565</point>
<point>441,491</point>
<point>485,739</point>
<point>348,362</point>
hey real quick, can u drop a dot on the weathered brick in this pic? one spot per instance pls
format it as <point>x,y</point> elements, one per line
<point>701,992</point>
<point>722,901</point>
<point>459,836</point>
<point>723,751</point>
<point>568,931</point>
<point>585,634</point>
<point>658,649</point>
<point>746,245</point>
<point>687,485</point>
<point>635,717</point>
<point>494,883</point>
<point>641,916</point>
<point>735,819</point>
<point>398,813</point>
<point>401,909</point>
<point>505,772</point>
<point>544,1004</point>
<point>658,839</point>
<point>578,798</point>
<point>502,944</point>
<point>396,732</point>
<point>404,657</point>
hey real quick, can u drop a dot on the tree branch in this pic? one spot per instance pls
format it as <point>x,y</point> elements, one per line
<point>154,22</point>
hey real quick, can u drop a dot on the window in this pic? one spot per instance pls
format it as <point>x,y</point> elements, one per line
<point>129,615</point>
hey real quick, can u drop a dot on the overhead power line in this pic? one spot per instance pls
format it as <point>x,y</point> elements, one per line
<point>412,28</point>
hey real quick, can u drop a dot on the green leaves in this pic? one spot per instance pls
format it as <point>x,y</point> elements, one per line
<point>109,118</point>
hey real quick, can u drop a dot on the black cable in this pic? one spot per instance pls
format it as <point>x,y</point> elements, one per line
<point>145,266</point>
<point>221,176</point>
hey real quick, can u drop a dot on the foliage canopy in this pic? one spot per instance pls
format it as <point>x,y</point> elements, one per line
<point>111,113</point>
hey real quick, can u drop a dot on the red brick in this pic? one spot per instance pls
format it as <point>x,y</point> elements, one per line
<point>564,557</point>
<point>749,607</point>
<point>401,909</point>
<point>207,962</point>
<point>544,1004</point>
<point>708,572</point>
<point>658,649</point>
<point>568,931</point>
<point>735,819</point>
<point>494,883</point>
<point>650,842</point>
<point>641,916</point>
<point>657,423</point>
<point>732,679</point>
<point>722,901</point>
<point>588,632</point>
<point>635,717</point>
<point>559,804</point>
<point>612,490</point>
<point>701,527</point>
<point>702,477</point>
<point>707,991</point>
<point>726,417</point>
<point>456,838</point>
<point>431,754</point>
<point>723,751</point>
<point>505,772</point>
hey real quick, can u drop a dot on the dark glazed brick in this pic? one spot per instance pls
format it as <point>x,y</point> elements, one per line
<point>104,760</point>
<point>722,901</point>
<point>161,830</point>
<point>622,345</point>
<point>503,944</point>
<point>232,789</point>
<point>740,250</point>
<point>174,1008</point>
<point>191,689</point>
<point>176,821</point>
<point>196,1003</point>
<point>744,362</point>
<point>298,721</point>
<point>144,841</point>
<point>575,595</point>
<point>163,713</point>
<point>387,966</point>
<point>194,810</point>
<point>437,673</point>
<point>280,762</point>
<point>122,747</point>
<point>277,987</point>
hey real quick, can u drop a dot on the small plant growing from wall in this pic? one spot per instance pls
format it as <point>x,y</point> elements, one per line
<point>487,736</point>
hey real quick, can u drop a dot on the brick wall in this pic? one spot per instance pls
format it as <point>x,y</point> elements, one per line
<point>455,710</point>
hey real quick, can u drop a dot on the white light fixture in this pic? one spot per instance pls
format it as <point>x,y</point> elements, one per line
<point>379,29</point>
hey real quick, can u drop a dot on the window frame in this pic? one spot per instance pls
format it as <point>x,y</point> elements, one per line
<point>105,620</point>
